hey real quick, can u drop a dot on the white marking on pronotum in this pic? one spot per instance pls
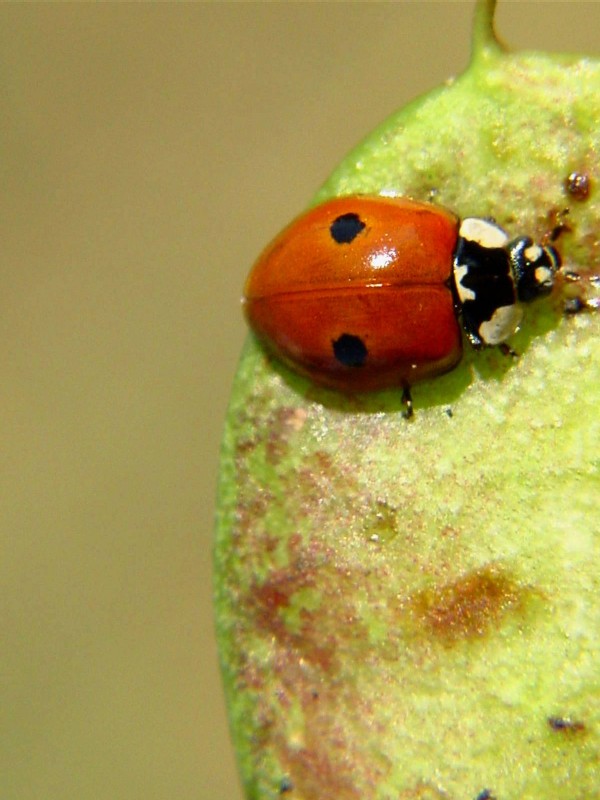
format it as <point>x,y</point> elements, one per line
<point>504,322</point>
<point>533,252</point>
<point>483,232</point>
<point>464,293</point>
<point>544,276</point>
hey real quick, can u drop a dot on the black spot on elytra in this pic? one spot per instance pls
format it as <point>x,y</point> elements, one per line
<point>350,350</point>
<point>346,228</point>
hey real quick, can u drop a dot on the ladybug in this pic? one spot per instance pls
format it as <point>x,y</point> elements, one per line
<point>365,293</point>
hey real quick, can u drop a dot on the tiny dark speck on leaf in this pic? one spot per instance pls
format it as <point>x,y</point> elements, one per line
<point>565,724</point>
<point>285,785</point>
<point>577,185</point>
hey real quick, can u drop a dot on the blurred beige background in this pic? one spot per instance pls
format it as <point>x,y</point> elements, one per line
<point>147,153</point>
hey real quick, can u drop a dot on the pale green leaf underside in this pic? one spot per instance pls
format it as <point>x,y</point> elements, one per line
<point>403,606</point>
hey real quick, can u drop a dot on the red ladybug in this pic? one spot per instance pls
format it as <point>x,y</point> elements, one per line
<point>365,293</point>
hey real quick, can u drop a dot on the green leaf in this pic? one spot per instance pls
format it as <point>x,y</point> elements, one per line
<point>410,609</point>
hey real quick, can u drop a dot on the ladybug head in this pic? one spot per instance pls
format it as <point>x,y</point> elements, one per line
<point>534,267</point>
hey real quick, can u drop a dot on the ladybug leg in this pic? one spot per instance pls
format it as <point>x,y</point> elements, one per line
<point>474,338</point>
<point>408,403</point>
<point>560,225</point>
<point>583,293</point>
<point>507,351</point>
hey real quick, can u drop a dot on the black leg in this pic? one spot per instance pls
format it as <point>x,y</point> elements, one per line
<point>408,403</point>
<point>507,351</point>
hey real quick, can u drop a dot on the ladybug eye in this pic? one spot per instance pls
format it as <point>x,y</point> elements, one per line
<point>346,228</point>
<point>350,350</point>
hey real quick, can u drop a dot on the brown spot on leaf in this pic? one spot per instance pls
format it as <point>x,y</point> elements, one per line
<point>275,593</point>
<point>268,600</point>
<point>281,424</point>
<point>449,532</point>
<point>316,776</point>
<point>467,607</point>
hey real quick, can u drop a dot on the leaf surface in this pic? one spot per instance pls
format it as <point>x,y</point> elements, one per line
<point>410,609</point>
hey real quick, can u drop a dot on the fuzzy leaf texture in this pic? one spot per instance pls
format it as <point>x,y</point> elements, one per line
<point>409,609</point>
